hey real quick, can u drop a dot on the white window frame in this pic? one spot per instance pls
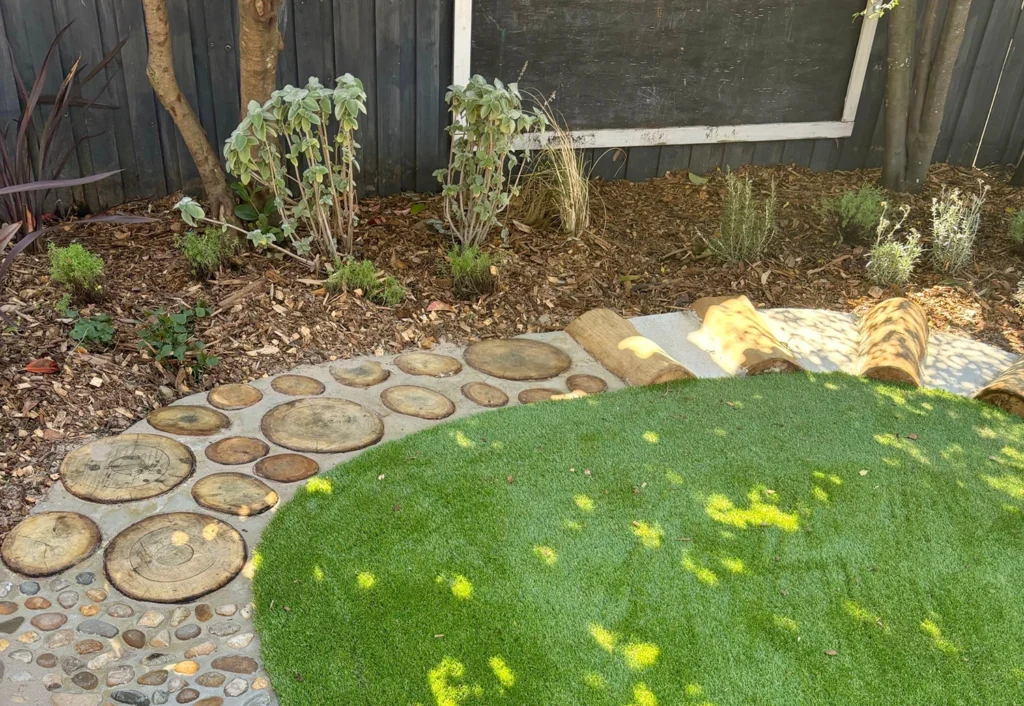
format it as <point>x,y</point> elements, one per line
<point>696,134</point>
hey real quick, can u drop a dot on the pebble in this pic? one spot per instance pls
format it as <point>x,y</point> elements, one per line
<point>161,639</point>
<point>70,665</point>
<point>120,610</point>
<point>29,637</point>
<point>61,638</point>
<point>100,661</point>
<point>179,616</point>
<point>67,599</point>
<point>4,644</point>
<point>88,647</point>
<point>98,627</point>
<point>75,700</point>
<point>96,594</point>
<point>119,675</point>
<point>210,701</point>
<point>160,697</point>
<point>47,660</point>
<point>239,642</point>
<point>188,668</point>
<point>151,619</point>
<point>85,578</point>
<point>29,588</point>
<point>176,684</point>
<point>236,664</point>
<point>224,629</point>
<point>23,656</point>
<point>37,603</point>
<point>227,610</point>
<point>246,611</point>
<point>7,608</point>
<point>9,626</point>
<point>58,585</point>
<point>51,682</point>
<point>186,696</point>
<point>200,650</point>
<point>134,638</point>
<point>259,700</point>
<point>48,622</point>
<point>154,678</point>
<point>158,659</point>
<point>260,683</point>
<point>85,680</point>
<point>89,610</point>
<point>5,588</point>
<point>211,679</point>
<point>131,697</point>
<point>236,687</point>
<point>203,612</point>
<point>188,632</point>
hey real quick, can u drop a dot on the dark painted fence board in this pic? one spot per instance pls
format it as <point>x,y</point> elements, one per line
<point>855,148</point>
<point>825,156</point>
<point>124,137</point>
<point>389,97</point>
<point>428,82</point>
<point>642,163</point>
<point>1007,103</point>
<point>407,80</point>
<point>737,154</point>
<point>674,158</point>
<point>221,38</point>
<point>184,68</point>
<point>610,164</point>
<point>798,152</point>
<point>10,108</point>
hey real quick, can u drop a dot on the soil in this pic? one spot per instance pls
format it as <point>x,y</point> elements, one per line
<point>644,254</point>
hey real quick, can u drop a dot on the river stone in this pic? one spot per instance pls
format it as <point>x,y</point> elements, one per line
<point>47,660</point>
<point>23,656</point>
<point>160,696</point>
<point>75,700</point>
<point>37,603</point>
<point>100,661</point>
<point>188,668</point>
<point>120,610</point>
<point>210,701</point>
<point>48,622</point>
<point>227,610</point>
<point>96,594</point>
<point>211,679</point>
<point>158,659</point>
<point>176,684</point>
<point>5,588</point>
<point>9,626</point>
<point>239,642</point>
<point>51,682</point>
<point>61,638</point>
<point>236,687</point>
<point>154,678</point>
<point>236,664</point>
<point>85,680</point>
<point>131,697</point>
<point>121,674</point>
<point>85,578</point>
<point>259,700</point>
<point>188,632</point>
<point>88,647</point>
<point>200,650</point>
<point>29,637</point>
<point>151,619</point>
<point>179,616</point>
<point>224,629</point>
<point>134,638</point>
<point>67,599</point>
<point>187,696</point>
<point>89,610</point>
<point>98,627</point>
<point>203,612</point>
<point>58,584</point>
<point>29,588</point>
<point>246,611</point>
<point>70,665</point>
<point>161,640</point>
<point>7,608</point>
<point>260,683</point>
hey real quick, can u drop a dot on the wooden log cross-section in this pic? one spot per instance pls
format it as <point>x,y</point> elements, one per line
<point>894,342</point>
<point>617,345</point>
<point>739,334</point>
<point>1007,390</point>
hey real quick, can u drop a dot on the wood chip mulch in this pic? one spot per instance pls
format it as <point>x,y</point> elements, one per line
<point>644,254</point>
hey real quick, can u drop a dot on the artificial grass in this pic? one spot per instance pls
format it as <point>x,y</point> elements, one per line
<point>786,539</point>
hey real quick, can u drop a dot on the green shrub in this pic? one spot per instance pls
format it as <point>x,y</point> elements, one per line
<point>207,252</point>
<point>77,269</point>
<point>891,262</point>
<point>94,332</point>
<point>748,224</point>
<point>362,275</point>
<point>1017,229</point>
<point>172,336</point>
<point>855,214</point>
<point>470,270</point>
<point>955,222</point>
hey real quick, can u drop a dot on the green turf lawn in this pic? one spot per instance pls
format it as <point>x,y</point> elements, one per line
<point>774,540</point>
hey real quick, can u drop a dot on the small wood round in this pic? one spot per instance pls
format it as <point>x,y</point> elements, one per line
<point>234,493</point>
<point>128,467</point>
<point>297,385</point>
<point>236,450</point>
<point>174,557</point>
<point>484,395</point>
<point>322,425</point>
<point>365,374</point>
<point>50,542</point>
<point>417,402</point>
<point>234,396</point>
<point>591,384</point>
<point>537,394</point>
<point>286,468</point>
<point>431,364</point>
<point>188,420</point>
<point>517,359</point>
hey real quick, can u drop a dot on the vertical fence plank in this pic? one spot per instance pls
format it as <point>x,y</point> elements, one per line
<point>798,152</point>
<point>825,155</point>
<point>609,164</point>
<point>287,60</point>
<point>201,63</point>
<point>10,107</point>
<point>642,163</point>
<point>738,154</point>
<point>356,53</point>
<point>674,158</point>
<point>855,148</point>
<point>407,82</point>
<point>389,96</point>
<point>768,153</point>
<point>221,39</point>
<point>185,70</point>
<point>314,41</point>
<point>1007,103</point>
<point>428,80</point>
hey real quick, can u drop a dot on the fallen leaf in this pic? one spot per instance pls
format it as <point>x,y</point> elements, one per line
<point>697,179</point>
<point>875,292</point>
<point>417,207</point>
<point>42,366</point>
<point>522,227</point>
<point>437,305</point>
<point>831,653</point>
<point>912,437</point>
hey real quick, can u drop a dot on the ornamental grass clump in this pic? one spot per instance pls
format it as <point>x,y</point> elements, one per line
<point>483,172</point>
<point>206,252</point>
<point>748,223</point>
<point>470,271</point>
<point>362,276</point>
<point>559,181</point>
<point>855,214</point>
<point>955,222</point>
<point>891,261</point>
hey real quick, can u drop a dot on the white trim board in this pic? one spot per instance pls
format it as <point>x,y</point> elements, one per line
<point>691,135</point>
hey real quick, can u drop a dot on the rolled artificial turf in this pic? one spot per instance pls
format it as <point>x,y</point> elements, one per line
<point>782,539</point>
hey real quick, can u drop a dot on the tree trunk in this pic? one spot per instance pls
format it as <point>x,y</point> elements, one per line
<point>922,144</point>
<point>259,43</point>
<point>160,70</point>
<point>923,67</point>
<point>900,67</point>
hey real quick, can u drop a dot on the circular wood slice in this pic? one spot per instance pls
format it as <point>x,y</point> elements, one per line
<point>365,374</point>
<point>322,425</point>
<point>431,364</point>
<point>517,359</point>
<point>297,385</point>
<point>286,468</point>
<point>538,394</point>
<point>591,384</point>
<point>128,467</point>
<point>188,420</point>
<point>236,450</point>
<point>484,395</point>
<point>50,542</point>
<point>417,402</point>
<point>174,557</point>
<point>234,396</point>
<point>234,493</point>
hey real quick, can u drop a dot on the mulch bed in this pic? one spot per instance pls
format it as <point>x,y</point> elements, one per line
<point>645,255</point>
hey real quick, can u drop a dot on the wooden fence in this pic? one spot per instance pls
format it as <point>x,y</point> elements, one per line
<point>402,50</point>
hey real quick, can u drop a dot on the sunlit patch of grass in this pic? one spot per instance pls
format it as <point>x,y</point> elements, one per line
<point>603,637</point>
<point>733,565</point>
<point>650,535</point>
<point>651,437</point>
<point>1011,485</point>
<point>365,580</point>
<point>910,448</point>
<point>862,615</point>
<point>702,573</point>
<point>673,478</point>
<point>547,555</point>
<point>595,681</point>
<point>643,696</point>
<point>462,440</point>
<point>319,485</point>
<point>930,628</point>
<point>584,502</point>
<point>760,513</point>
<point>502,672</point>
<point>783,622</point>
<point>459,585</point>
<point>640,655</point>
